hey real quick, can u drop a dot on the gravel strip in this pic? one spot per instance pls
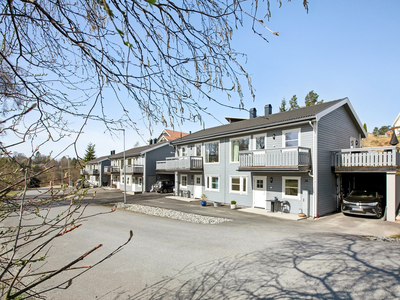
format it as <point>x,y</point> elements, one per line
<point>382,239</point>
<point>172,214</point>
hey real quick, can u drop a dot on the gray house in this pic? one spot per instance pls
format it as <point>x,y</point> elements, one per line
<point>139,167</point>
<point>94,171</point>
<point>289,156</point>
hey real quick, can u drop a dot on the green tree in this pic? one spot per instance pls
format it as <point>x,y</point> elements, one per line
<point>283,105</point>
<point>293,103</point>
<point>312,99</point>
<point>365,127</point>
<point>381,131</point>
<point>90,153</point>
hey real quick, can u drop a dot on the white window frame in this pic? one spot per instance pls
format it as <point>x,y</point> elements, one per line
<point>230,147</point>
<point>181,185</point>
<point>255,141</point>
<point>219,153</point>
<point>140,181</point>
<point>122,179</point>
<point>354,142</point>
<point>208,183</point>
<point>195,150</point>
<point>184,151</point>
<point>298,130</point>
<point>289,197</point>
<point>241,185</point>
<point>127,180</point>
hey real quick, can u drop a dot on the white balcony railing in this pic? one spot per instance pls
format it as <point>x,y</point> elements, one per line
<point>111,169</point>
<point>89,172</point>
<point>180,163</point>
<point>132,169</point>
<point>367,157</point>
<point>289,157</point>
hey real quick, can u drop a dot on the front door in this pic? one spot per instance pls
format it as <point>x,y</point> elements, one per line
<point>198,187</point>
<point>259,191</point>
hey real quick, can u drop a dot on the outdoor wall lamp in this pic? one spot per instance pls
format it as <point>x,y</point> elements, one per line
<point>271,179</point>
<point>273,136</point>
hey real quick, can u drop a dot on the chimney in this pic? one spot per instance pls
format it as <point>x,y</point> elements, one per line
<point>112,152</point>
<point>268,109</point>
<point>155,141</point>
<point>253,113</point>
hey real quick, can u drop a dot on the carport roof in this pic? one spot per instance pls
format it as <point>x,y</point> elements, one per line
<point>138,150</point>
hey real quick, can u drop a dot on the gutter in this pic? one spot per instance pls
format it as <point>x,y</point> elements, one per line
<point>315,167</point>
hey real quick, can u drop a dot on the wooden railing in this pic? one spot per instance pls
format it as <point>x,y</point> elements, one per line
<point>133,169</point>
<point>180,163</point>
<point>111,169</point>
<point>289,157</point>
<point>367,157</point>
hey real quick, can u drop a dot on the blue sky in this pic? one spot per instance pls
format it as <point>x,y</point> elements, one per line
<point>339,49</point>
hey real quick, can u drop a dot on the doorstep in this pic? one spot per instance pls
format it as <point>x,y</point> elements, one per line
<point>268,213</point>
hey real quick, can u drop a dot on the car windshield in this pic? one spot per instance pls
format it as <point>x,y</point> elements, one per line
<point>362,193</point>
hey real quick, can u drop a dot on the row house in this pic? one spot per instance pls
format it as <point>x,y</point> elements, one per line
<point>138,170</point>
<point>296,156</point>
<point>94,171</point>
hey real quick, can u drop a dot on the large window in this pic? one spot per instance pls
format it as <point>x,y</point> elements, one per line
<point>240,144</point>
<point>212,183</point>
<point>291,138</point>
<point>198,150</point>
<point>291,187</point>
<point>212,152</point>
<point>238,184</point>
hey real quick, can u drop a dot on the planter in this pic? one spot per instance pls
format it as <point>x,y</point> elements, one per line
<point>203,203</point>
<point>301,214</point>
<point>233,206</point>
<point>217,204</point>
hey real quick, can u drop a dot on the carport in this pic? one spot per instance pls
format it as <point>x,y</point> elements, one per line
<point>376,169</point>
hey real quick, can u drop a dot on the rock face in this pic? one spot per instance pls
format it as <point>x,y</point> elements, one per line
<point>171,214</point>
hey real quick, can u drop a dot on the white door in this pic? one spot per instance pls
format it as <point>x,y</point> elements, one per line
<point>259,191</point>
<point>198,187</point>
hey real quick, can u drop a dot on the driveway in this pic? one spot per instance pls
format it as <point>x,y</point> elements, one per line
<point>252,257</point>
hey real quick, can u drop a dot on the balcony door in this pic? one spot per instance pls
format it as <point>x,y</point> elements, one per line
<point>198,187</point>
<point>259,191</point>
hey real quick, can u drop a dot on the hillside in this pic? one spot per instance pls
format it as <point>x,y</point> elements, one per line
<point>375,141</point>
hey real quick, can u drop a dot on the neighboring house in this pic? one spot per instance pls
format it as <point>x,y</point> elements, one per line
<point>94,171</point>
<point>396,123</point>
<point>139,167</point>
<point>168,135</point>
<point>294,156</point>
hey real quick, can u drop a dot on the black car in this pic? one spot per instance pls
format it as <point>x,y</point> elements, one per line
<point>164,186</point>
<point>363,202</point>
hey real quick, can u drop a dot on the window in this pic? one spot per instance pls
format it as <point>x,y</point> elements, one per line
<point>122,179</point>
<point>121,163</point>
<point>353,143</point>
<point>140,181</point>
<point>238,184</point>
<point>184,181</point>
<point>212,183</point>
<point>183,151</point>
<point>127,180</point>
<point>237,145</point>
<point>129,162</point>
<point>198,150</point>
<point>291,138</point>
<point>212,152</point>
<point>259,142</point>
<point>260,183</point>
<point>291,187</point>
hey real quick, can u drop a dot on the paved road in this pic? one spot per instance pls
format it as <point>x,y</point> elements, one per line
<point>252,257</point>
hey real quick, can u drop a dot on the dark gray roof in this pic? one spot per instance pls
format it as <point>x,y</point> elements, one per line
<point>99,159</point>
<point>286,117</point>
<point>137,151</point>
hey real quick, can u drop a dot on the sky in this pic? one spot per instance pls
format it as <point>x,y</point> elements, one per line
<point>339,49</point>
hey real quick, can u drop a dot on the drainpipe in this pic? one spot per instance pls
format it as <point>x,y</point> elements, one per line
<point>314,166</point>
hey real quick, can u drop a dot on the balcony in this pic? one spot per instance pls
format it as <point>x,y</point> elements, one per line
<point>182,163</point>
<point>276,159</point>
<point>111,170</point>
<point>89,172</point>
<point>379,159</point>
<point>135,169</point>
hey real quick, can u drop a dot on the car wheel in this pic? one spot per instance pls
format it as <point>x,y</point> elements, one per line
<point>164,191</point>
<point>379,211</point>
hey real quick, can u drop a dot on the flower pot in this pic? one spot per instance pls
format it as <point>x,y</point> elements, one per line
<point>233,206</point>
<point>217,204</point>
<point>301,214</point>
<point>203,203</point>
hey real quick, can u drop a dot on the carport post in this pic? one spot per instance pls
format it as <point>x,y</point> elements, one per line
<point>391,196</point>
<point>124,170</point>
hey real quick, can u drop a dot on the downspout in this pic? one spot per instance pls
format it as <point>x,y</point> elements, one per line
<point>314,167</point>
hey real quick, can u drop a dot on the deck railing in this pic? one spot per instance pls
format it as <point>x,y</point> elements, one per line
<point>276,158</point>
<point>180,163</point>
<point>111,169</point>
<point>133,169</point>
<point>367,157</point>
<point>89,172</point>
